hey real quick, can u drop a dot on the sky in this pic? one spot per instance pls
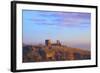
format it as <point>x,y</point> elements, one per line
<point>70,28</point>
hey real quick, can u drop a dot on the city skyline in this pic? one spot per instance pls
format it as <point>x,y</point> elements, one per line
<point>71,28</point>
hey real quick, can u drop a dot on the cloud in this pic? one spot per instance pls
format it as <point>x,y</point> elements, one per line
<point>66,19</point>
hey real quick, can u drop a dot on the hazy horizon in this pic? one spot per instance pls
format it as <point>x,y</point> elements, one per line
<point>71,28</point>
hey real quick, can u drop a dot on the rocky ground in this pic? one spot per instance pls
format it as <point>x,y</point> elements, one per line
<point>53,53</point>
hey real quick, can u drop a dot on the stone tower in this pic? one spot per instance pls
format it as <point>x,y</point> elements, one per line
<point>47,42</point>
<point>58,43</point>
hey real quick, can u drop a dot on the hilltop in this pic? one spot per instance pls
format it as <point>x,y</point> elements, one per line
<point>53,52</point>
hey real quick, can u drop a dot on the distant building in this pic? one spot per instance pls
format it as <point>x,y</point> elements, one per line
<point>58,42</point>
<point>47,42</point>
